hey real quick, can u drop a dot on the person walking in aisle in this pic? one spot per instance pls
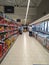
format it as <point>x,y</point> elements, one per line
<point>20,29</point>
<point>30,30</point>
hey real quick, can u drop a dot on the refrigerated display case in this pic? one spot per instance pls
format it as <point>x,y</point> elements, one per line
<point>41,32</point>
<point>47,43</point>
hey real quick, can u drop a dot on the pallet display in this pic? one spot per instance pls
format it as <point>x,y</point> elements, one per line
<point>8,34</point>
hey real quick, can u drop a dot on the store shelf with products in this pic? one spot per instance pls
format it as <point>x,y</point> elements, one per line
<point>8,34</point>
<point>9,46</point>
<point>41,32</point>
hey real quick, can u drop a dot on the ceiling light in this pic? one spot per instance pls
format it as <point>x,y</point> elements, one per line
<point>27,11</point>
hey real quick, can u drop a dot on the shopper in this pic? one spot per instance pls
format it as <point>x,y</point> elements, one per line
<point>30,30</point>
<point>20,29</point>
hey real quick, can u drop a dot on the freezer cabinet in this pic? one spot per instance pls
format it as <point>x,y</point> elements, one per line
<point>42,39</point>
<point>47,46</point>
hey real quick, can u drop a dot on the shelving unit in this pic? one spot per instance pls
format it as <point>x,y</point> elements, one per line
<point>8,34</point>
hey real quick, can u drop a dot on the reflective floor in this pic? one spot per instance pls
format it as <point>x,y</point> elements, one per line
<point>26,51</point>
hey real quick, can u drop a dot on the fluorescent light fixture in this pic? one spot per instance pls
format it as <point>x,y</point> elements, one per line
<point>27,11</point>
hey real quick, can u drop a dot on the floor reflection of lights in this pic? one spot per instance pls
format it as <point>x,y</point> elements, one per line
<point>25,48</point>
<point>25,42</point>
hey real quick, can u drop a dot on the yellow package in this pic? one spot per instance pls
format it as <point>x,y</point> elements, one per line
<point>8,42</point>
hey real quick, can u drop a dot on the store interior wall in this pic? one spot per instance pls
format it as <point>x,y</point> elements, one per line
<point>43,8</point>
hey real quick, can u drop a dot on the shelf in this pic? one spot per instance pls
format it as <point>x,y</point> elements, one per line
<point>11,30</point>
<point>12,26</point>
<point>3,32</point>
<point>1,59</point>
<point>7,31</point>
<point>3,24</point>
<point>1,42</point>
<point>8,25</point>
<point>9,36</point>
<point>5,54</point>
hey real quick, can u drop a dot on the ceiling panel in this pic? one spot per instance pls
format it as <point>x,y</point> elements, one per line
<point>7,2</point>
<point>20,3</point>
<point>14,2</point>
<point>35,3</point>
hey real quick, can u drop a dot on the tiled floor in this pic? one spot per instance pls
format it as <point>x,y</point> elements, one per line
<point>26,51</point>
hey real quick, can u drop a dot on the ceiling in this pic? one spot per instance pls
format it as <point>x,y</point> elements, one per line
<point>20,3</point>
<point>21,6</point>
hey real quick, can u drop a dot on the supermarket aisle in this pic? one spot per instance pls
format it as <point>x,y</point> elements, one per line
<point>26,51</point>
